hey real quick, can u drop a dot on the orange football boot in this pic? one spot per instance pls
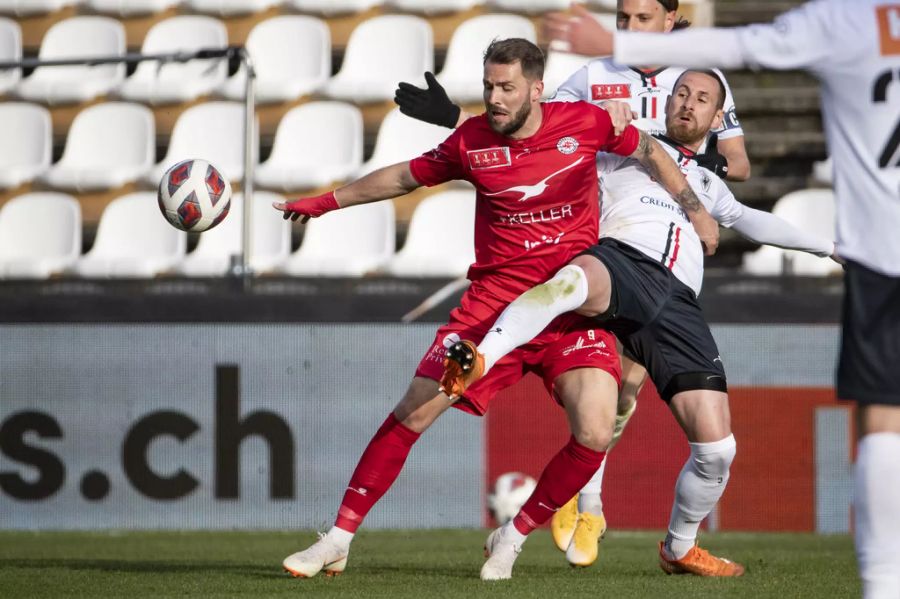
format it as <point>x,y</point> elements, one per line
<point>699,562</point>
<point>463,365</point>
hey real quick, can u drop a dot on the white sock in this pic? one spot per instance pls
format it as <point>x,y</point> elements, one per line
<point>877,514</point>
<point>589,498</point>
<point>531,312</point>
<point>340,537</point>
<point>700,485</point>
<point>511,533</point>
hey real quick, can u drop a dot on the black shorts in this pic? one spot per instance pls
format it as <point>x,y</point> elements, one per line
<point>869,365</point>
<point>659,322</point>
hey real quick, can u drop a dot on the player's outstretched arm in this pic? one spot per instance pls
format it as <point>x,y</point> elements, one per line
<point>431,105</point>
<point>767,229</point>
<point>661,167</point>
<point>388,182</point>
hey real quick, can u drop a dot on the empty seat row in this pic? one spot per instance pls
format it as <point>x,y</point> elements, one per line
<point>113,143</point>
<point>127,8</point>
<point>291,56</point>
<point>40,236</point>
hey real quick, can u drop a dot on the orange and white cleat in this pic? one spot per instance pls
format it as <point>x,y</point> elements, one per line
<point>463,365</point>
<point>323,555</point>
<point>699,562</point>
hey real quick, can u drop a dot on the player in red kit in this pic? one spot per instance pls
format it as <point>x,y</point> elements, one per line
<point>533,168</point>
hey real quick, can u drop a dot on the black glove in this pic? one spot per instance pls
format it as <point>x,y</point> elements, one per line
<point>431,105</point>
<point>711,158</point>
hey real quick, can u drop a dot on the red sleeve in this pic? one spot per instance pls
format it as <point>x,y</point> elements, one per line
<point>624,144</point>
<point>439,165</point>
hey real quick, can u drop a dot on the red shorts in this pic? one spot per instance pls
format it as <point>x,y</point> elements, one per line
<point>569,342</point>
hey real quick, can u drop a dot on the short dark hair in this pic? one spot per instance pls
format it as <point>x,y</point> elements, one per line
<point>670,6</point>
<point>721,102</point>
<point>516,49</point>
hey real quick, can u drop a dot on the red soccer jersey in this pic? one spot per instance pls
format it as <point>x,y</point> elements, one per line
<point>536,198</point>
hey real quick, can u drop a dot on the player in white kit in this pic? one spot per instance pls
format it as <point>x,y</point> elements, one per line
<point>641,281</point>
<point>853,48</point>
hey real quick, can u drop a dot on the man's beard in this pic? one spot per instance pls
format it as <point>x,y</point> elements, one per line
<point>515,124</point>
<point>685,133</point>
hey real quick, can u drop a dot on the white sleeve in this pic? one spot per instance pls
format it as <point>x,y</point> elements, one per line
<point>797,39</point>
<point>731,126</point>
<point>767,229</point>
<point>725,209</point>
<point>574,88</point>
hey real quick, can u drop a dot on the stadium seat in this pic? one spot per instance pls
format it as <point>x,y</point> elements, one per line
<point>431,7</point>
<point>40,235</point>
<point>291,56</point>
<point>29,8</point>
<point>380,52</point>
<point>462,73</point>
<point>77,37</point>
<point>10,50</point>
<point>449,215</point>
<point>228,8</point>
<point>213,131</point>
<point>27,143</point>
<point>528,6</point>
<point>559,67</point>
<point>402,138</point>
<point>813,210</point>
<point>133,240</point>
<point>271,239</point>
<point>173,82</point>
<point>346,243</point>
<point>316,144</point>
<point>330,8</point>
<point>108,145</point>
<point>130,8</point>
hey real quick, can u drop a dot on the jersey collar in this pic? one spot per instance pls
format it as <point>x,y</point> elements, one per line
<point>683,152</point>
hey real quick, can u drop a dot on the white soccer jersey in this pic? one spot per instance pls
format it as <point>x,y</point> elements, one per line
<point>646,92</point>
<point>853,47</point>
<point>638,211</point>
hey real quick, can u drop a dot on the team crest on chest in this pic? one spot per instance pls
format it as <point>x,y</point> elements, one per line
<point>567,145</point>
<point>488,158</point>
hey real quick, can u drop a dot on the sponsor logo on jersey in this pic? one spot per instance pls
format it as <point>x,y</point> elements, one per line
<point>547,215</point>
<point>610,91</point>
<point>889,29</point>
<point>488,158</point>
<point>580,344</point>
<point>532,191</point>
<point>567,145</point>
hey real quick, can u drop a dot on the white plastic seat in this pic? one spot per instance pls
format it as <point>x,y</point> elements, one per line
<point>77,37</point>
<point>812,210</point>
<point>402,138</point>
<point>133,240</point>
<point>271,239</point>
<point>316,144</point>
<point>346,243</point>
<point>381,52</point>
<point>213,131</point>
<point>291,55</point>
<point>227,8</point>
<point>529,6</point>
<point>331,7</point>
<point>26,145</point>
<point>431,7</point>
<point>28,8</point>
<point>178,82</point>
<point>10,50</point>
<point>463,71</point>
<point>447,215</point>
<point>40,235</point>
<point>559,67</point>
<point>130,8</point>
<point>108,145</point>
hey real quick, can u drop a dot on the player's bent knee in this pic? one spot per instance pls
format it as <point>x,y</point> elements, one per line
<point>713,460</point>
<point>421,405</point>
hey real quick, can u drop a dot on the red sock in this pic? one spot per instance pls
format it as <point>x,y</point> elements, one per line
<point>567,472</point>
<point>376,471</point>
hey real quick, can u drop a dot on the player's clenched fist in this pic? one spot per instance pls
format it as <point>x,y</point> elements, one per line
<point>707,230</point>
<point>308,207</point>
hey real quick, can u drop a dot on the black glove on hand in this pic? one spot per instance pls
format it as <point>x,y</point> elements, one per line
<point>711,158</point>
<point>431,105</point>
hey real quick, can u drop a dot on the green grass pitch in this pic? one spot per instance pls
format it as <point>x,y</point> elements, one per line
<point>417,564</point>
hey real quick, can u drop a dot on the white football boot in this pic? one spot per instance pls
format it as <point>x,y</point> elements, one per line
<point>501,553</point>
<point>324,554</point>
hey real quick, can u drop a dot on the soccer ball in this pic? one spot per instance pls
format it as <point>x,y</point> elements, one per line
<point>194,196</point>
<point>511,491</point>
